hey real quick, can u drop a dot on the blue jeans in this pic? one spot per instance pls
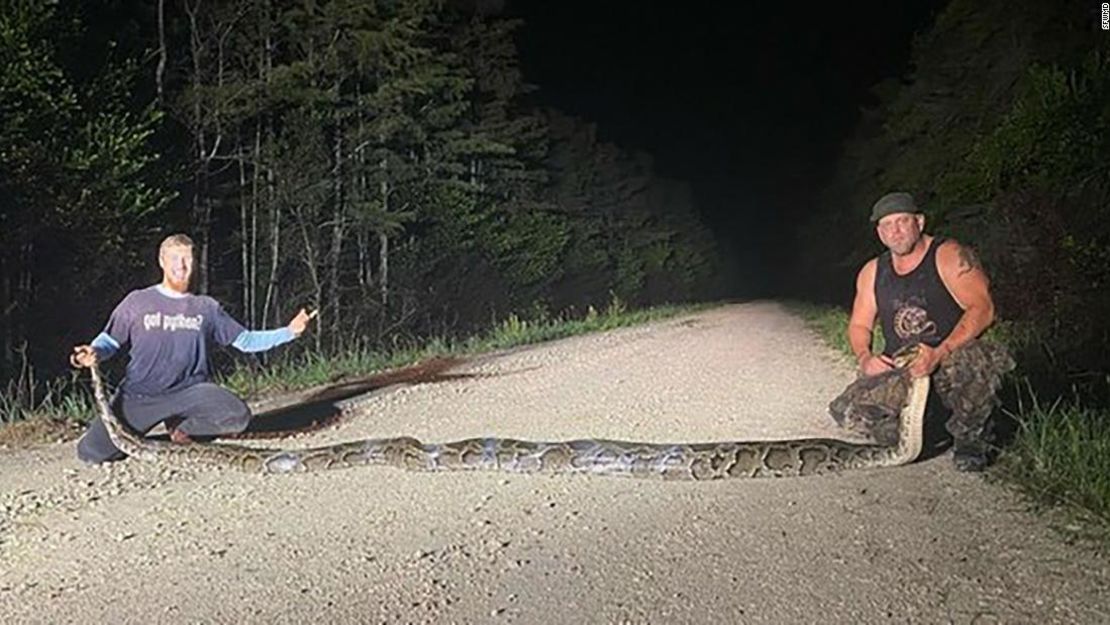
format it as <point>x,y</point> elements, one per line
<point>206,409</point>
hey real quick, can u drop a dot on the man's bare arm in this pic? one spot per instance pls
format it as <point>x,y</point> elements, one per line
<point>864,311</point>
<point>965,279</point>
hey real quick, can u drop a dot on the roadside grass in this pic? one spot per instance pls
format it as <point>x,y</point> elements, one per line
<point>831,324</point>
<point>311,369</point>
<point>1059,456</point>
<point>33,412</point>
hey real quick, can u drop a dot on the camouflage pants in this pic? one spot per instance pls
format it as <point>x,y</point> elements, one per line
<point>966,382</point>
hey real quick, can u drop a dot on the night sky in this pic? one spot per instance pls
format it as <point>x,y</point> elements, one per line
<point>749,104</point>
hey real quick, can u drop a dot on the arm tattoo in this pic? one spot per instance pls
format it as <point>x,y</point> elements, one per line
<point>968,260</point>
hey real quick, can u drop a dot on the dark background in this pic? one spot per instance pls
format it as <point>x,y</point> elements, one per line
<point>786,122</point>
<point>749,102</point>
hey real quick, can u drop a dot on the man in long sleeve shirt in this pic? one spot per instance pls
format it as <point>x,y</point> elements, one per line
<point>167,331</point>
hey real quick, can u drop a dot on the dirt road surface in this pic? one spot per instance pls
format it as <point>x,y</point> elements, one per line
<point>136,542</point>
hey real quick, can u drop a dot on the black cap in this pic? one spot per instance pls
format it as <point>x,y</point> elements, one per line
<point>897,202</point>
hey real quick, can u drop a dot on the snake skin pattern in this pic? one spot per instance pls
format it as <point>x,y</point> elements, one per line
<point>684,461</point>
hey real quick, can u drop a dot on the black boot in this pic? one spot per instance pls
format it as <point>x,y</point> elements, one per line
<point>969,457</point>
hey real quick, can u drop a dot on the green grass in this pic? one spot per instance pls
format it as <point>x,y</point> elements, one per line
<point>1060,454</point>
<point>1061,457</point>
<point>69,398</point>
<point>313,369</point>
<point>64,398</point>
<point>831,324</point>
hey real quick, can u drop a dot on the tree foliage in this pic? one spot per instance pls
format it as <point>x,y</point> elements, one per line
<point>77,177</point>
<point>378,160</point>
<point>1001,130</point>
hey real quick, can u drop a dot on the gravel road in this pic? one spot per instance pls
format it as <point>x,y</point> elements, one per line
<point>137,542</point>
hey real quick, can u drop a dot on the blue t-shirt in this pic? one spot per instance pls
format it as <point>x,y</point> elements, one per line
<point>169,338</point>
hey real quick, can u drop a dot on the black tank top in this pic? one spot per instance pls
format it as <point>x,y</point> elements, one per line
<point>916,307</point>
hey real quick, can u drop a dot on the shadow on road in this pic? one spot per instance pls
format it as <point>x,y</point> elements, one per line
<point>317,408</point>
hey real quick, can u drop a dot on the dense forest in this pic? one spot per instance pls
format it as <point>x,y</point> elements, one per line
<point>1001,129</point>
<point>388,163</point>
<point>380,161</point>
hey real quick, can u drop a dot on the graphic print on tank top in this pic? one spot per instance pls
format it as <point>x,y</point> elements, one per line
<point>911,320</point>
<point>914,307</point>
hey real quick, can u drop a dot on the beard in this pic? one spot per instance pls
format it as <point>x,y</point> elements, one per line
<point>903,249</point>
<point>904,246</point>
<point>178,284</point>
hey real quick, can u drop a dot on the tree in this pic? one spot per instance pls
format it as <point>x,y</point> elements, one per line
<point>75,173</point>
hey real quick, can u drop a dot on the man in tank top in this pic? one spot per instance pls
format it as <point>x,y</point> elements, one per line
<point>930,291</point>
<point>169,332</point>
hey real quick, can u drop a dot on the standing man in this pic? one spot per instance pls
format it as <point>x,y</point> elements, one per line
<point>933,292</point>
<point>169,331</point>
